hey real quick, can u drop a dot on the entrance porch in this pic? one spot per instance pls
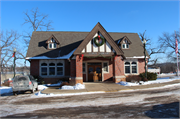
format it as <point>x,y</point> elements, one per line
<point>100,69</point>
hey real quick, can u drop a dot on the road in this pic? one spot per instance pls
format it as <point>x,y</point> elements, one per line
<point>149,103</point>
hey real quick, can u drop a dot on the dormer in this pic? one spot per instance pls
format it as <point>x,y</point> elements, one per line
<point>52,43</point>
<point>124,43</point>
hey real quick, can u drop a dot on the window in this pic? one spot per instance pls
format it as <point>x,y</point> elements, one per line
<point>105,66</point>
<point>125,46</point>
<point>52,44</point>
<point>134,67</point>
<point>84,68</point>
<point>43,69</point>
<point>131,67</point>
<point>51,69</point>
<point>59,69</point>
<point>127,67</point>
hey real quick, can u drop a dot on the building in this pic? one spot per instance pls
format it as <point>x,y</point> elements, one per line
<point>80,57</point>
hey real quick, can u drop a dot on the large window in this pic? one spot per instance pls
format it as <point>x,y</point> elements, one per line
<point>51,68</point>
<point>127,68</point>
<point>130,68</point>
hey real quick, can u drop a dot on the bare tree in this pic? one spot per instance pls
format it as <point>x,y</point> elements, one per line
<point>150,49</point>
<point>167,43</point>
<point>36,21</point>
<point>7,43</point>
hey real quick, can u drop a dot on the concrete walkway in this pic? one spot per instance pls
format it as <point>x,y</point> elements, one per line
<point>104,87</point>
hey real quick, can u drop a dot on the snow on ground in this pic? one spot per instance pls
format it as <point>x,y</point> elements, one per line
<point>159,80</point>
<point>76,87</point>
<point>8,90</point>
<point>5,90</point>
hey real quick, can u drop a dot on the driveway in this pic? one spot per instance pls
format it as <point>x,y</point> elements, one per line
<point>150,103</point>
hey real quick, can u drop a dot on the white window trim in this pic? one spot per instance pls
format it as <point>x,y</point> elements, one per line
<point>125,46</point>
<point>48,62</point>
<point>137,68</point>
<point>52,45</point>
<point>103,67</point>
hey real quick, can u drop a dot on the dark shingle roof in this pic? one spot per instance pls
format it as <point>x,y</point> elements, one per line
<point>71,40</point>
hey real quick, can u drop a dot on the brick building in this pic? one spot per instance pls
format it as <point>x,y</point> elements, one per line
<point>85,56</point>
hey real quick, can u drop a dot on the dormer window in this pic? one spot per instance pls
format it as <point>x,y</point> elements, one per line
<point>125,46</point>
<point>124,43</point>
<point>52,43</point>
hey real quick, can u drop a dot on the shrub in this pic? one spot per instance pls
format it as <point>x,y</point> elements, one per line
<point>150,76</point>
<point>39,79</point>
<point>133,78</point>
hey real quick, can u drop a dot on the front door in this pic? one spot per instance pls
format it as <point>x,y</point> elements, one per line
<point>94,72</point>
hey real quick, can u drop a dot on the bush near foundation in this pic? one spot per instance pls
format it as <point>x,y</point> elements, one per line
<point>133,78</point>
<point>150,76</point>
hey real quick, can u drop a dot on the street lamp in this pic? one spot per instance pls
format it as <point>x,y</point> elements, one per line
<point>144,42</point>
<point>14,60</point>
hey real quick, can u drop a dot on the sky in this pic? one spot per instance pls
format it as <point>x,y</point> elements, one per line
<point>156,17</point>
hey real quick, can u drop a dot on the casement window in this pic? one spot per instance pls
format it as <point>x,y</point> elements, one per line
<point>84,67</point>
<point>130,67</point>
<point>127,68</point>
<point>105,67</point>
<point>44,69</point>
<point>51,68</point>
<point>134,67</point>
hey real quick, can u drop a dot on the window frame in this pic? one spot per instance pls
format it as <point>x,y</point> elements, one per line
<point>48,68</point>
<point>131,67</point>
<point>107,67</point>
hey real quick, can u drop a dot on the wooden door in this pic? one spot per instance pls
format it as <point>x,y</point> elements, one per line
<point>94,73</point>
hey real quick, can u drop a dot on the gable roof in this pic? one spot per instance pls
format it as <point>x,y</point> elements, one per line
<point>52,36</point>
<point>71,40</point>
<point>125,37</point>
<point>89,37</point>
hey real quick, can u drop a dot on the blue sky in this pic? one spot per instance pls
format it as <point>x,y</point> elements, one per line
<point>155,17</point>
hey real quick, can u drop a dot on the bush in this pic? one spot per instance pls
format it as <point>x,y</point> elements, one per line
<point>150,76</point>
<point>39,79</point>
<point>133,78</point>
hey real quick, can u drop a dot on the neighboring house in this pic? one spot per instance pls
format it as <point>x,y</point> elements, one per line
<point>85,56</point>
<point>154,70</point>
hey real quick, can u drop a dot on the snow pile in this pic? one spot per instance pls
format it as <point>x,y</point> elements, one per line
<point>76,87</point>
<point>42,87</point>
<point>5,90</point>
<point>148,82</point>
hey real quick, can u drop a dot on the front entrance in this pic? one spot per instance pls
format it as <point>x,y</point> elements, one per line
<point>94,72</point>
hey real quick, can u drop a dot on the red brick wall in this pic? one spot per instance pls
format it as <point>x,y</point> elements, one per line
<point>118,66</point>
<point>109,76</point>
<point>141,65</point>
<point>34,68</point>
<point>79,66</point>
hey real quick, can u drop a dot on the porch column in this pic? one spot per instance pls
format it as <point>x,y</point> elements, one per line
<point>119,69</point>
<point>76,70</point>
